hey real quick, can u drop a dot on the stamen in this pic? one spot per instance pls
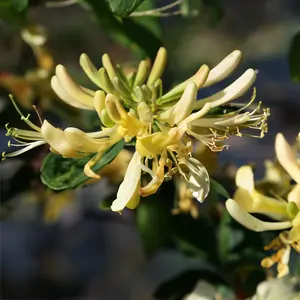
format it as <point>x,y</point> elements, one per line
<point>37,112</point>
<point>27,121</point>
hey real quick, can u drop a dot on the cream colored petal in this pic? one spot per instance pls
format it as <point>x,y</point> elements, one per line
<point>250,222</point>
<point>184,107</point>
<point>245,178</point>
<point>72,88</point>
<point>233,91</point>
<point>197,178</point>
<point>128,190</point>
<point>294,195</point>
<point>56,139</point>
<point>63,95</point>
<point>224,68</point>
<point>80,141</point>
<point>286,157</point>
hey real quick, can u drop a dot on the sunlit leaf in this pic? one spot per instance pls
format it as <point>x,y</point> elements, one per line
<point>126,31</point>
<point>123,8</point>
<point>19,5</point>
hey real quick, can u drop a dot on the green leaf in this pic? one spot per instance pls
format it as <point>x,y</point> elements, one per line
<point>153,219</point>
<point>126,31</point>
<point>294,58</point>
<point>149,23</point>
<point>123,8</point>
<point>183,274</point>
<point>13,12</point>
<point>229,238</point>
<point>218,188</point>
<point>59,173</point>
<point>19,5</point>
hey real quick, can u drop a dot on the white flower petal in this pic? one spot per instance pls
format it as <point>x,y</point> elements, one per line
<point>80,141</point>
<point>184,107</point>
<point>224,68</point>
<point>56,139</point>
<point>72,88</point>
<point>250,222</point>
<point>197,179</point>
<point>129,188</point>
<point>233,91</point>
<point>63,95</point>
<point>245,178</point>
<point>286,157</point>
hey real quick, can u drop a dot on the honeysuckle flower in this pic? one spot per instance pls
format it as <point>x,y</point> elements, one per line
<point>285,209</point>
<point>278,288</point>
<point>133,107</point>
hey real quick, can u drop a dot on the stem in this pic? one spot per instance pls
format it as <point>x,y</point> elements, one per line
<point>156,11</point>
<point>61,3</point>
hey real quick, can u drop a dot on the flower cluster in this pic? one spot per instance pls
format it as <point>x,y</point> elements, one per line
<point>134,108</point>
<point>276,197</point>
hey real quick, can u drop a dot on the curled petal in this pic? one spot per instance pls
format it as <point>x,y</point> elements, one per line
<point>286,157</point>
<point>128,193</point>
<point>197,178</point>
<point>224,68</point>
<point>233,91</point>
<point>56,139</point>
<point>80,141</point>
<point>63,95</point>
<point>156,181</point>
<point>88,166</point>
<point>72,88</point>
<point>250,222</point>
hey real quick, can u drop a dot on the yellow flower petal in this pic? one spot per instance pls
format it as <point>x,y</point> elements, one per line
<point>286,157</point>
<point>72,88</point>
<point>128,193</point>
<point>56,139</point>
<point>67,98</point>
<point>154,144</point>
<point>80,141</point>
<point>250,222</point>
